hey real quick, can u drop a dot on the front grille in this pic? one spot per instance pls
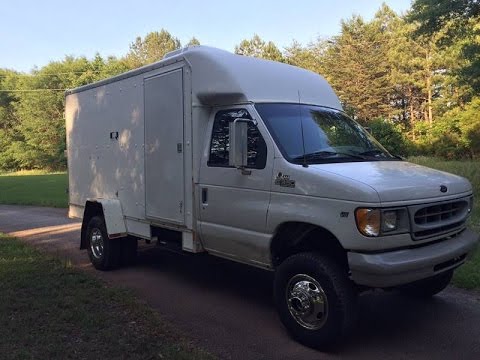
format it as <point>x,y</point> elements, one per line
<point>440,229</point>
<point>437,219</point>
<point>439,213</point>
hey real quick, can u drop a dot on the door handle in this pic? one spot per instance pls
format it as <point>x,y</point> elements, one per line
<point>204,196</point>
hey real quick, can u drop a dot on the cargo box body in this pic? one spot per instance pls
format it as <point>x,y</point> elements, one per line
<point>125,142</point>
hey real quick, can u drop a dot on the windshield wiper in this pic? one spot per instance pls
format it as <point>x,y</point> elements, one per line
<point>327,154</point>
<point>375,152</point>
<point>372,152</point>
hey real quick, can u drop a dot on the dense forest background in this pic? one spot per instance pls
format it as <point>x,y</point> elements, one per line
<point>413,79</point>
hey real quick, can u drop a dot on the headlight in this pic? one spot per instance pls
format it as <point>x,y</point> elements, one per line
<point>375,222</point>
<point>390,220</point>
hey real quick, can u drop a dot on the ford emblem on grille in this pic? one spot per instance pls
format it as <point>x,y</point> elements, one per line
<point>443,188</point>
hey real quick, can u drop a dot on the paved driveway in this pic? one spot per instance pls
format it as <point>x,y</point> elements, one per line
<point>227,308</point>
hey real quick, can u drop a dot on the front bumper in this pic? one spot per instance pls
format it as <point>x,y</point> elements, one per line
<point>405,266</point>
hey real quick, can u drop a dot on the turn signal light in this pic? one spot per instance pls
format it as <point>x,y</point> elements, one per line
<point>368,221</point>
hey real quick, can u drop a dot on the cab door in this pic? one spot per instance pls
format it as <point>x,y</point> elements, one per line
<point>234,203</point>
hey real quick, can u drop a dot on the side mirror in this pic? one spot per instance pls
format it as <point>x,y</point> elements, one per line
<point>367,129</point>
<point>239,144</point>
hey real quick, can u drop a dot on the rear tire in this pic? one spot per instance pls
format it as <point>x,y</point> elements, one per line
<point>104,253</point>
<point>428,287</point>
<point>315,300</point>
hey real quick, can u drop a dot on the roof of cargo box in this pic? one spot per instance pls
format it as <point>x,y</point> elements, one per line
<point>220,77</point>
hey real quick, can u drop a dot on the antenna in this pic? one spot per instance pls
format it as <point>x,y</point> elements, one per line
<point>301,127</point>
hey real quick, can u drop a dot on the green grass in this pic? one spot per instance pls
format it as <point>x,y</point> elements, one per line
<point>30,172</point>
<point>50,311</point>
<point>468,275</point>
<point>34,188</point>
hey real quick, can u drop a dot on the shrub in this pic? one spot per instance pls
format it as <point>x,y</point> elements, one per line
<point>456,135</point>
<point>391,136</point>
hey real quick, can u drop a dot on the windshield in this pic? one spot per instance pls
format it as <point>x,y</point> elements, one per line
<point>313,134</point>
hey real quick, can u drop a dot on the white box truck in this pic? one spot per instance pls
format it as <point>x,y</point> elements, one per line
<point>255,161</point>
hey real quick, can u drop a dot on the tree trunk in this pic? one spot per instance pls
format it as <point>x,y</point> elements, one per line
<point>429,88</point>
<point>429,100</point>
<point>412,112</point>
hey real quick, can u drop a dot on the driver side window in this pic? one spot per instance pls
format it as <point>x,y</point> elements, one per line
<point>220,142</point>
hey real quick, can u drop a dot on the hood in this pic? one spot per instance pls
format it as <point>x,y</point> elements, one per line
<point>400,180</point>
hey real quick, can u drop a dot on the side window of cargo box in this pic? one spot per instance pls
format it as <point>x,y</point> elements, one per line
<point>220,142</point>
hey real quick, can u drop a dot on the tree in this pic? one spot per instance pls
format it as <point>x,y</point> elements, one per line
<point>151,48</point>
<point>256,47</point>
<point>355,65</point>
<point>41,129</point>
<point>252,47</point>
<point>36,134</point>
<point>193,41</point>
<point>460,21</point>
<point>407,74</point>
<point>307,57</point>
<point>433,15</point>
<point>271,52</point>
<point>8,80</point>
<point>32,126</point>
<point>8,119</point>
<point>390,135</point>
<point>464,124</point>
<point>380,70</point>
<point>419,74</point>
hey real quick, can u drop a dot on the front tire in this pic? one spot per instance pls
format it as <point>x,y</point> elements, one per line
<point>104,253</point>
<point>427,288</point>
<point>315,299</point>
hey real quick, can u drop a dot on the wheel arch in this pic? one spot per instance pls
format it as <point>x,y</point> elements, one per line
<point>111,211</point>
<point>294,237</point>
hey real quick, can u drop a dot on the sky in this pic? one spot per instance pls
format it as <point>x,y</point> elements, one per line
<point>34,32</point>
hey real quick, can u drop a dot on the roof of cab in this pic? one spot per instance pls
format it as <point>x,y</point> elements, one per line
<point>220,77</point>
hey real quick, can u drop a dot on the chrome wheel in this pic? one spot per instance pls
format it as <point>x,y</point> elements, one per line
<point>96,243</point>
<point>307,301</point>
